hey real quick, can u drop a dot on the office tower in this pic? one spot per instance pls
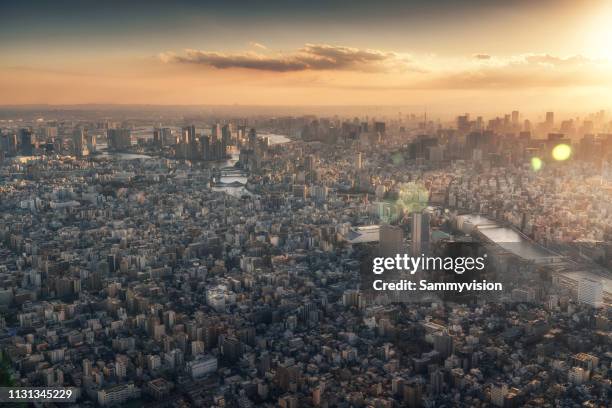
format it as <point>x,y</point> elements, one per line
<point>443,344</point>
<point>26,139</point>
<point>590,292</point>
<point>463,123</point>
<point>226,134</point>
<point>169,319</point>
<point>8,144</point>
<point>119,139</point>
<point>205,147</point>
<point>79,142</point>
<point>420,234</point>
<point>157,138</point>
<point>231,349</point>
<point>380,127</point>
<point>91,143</point>
<point>436,380</point>
<point>391,241</point>
<point>215,132</point>
<point>515,118</point>
<point>87,367</point>
<point>419,148</point>
<point>163,137</point>
<point>252,139</point>
<point>550,119</point>
<point>309,162</point>
<point>358,161</point>
<point>241,134</point>
<point>188,134</point>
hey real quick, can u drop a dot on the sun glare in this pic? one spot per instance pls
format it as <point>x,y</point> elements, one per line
<point>599,39</point>
<point>561,152</point>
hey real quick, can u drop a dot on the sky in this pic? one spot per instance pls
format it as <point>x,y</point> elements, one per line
<point>479,55</point>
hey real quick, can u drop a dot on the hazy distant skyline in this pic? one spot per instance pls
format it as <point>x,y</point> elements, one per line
<point>485,56</point>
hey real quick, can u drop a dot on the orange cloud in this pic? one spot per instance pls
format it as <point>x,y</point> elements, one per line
<point>313,57</point>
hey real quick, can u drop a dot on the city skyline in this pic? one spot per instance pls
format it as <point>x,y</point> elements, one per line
<point>448,56</point>
<point>290,204</point>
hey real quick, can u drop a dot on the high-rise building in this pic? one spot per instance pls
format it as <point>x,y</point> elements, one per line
<point>188,134</point>
<point>26,140</point>
<point>119,139</point>
<point>420,234</point>
<point>436,381</point>
<point>226,134</point>
<point>358,161</point>
<point>443,344</point>
<point>205,147</point>
<point>79,142</point>
<point>391,240</point>
<point>9,144</point>
<point>157,138</point>
<point>309,162</point>
<point>590,292</point>
<point>515,118</point>
<point>216,132</point>
<point>550,119</point>
<point>91,143</point>
<point>252,139</point>
<point>163,137</point>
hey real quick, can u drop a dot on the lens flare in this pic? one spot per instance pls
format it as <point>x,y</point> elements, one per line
<point>413,197</point>
<point>536,163</point>
<point>561,152</point>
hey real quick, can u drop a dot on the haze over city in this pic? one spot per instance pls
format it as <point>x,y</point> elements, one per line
<point>440,56</point>
<point>306,204</point>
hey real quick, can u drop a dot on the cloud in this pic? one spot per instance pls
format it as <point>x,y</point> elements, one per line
<point>546,59</point>
<point>527,71</point>
<point>313,57</point>
<point>258,45</point>
<point>393,70</point>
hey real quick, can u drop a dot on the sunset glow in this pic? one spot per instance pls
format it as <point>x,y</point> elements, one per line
<point>407,53</point>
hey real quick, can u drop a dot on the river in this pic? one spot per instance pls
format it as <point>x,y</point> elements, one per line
<point>273,139</point>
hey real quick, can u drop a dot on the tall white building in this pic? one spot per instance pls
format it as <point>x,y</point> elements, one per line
<point>590,292</point>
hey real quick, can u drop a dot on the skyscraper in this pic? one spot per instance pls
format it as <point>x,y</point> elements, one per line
<point>119,138</point>
<point>188,134</point>
<point>26,140</point>
<point>391,240</point>
<point>515,118</point>
<point>590,292</point>
<point>358,161</point>
<point>91,143</point>
<point>79,142</point>
<point>550,119</point>
<point>420,234</point>
<point>226,134</point>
